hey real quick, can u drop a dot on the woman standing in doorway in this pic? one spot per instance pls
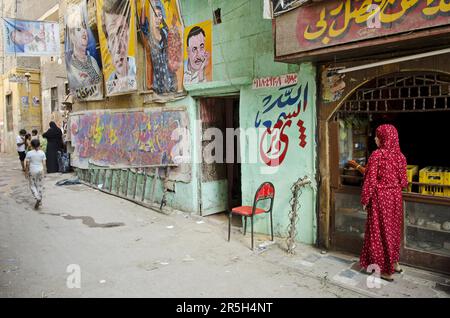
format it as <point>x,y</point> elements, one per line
<point>54,144</point>
<point>381,197</point>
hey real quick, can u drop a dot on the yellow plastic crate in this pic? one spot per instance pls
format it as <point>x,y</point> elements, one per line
<point>447,182</point>
<point>436,176</point>
<point>411,172</point>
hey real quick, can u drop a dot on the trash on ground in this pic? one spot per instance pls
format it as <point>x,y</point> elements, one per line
<point>68,182</point>
<point>169,227</point>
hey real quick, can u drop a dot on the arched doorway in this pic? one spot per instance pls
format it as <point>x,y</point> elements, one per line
<point>418,104</point>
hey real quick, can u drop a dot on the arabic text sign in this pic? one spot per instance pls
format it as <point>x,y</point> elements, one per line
<point>30,38</point>
<point>275,81</point>
<point>341,21</point>
<point>282,110</point>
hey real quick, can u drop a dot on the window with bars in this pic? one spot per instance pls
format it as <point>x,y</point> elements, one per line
<point>401,93</point>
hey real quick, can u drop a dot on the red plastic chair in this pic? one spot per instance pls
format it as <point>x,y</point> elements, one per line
<point>265,191</point>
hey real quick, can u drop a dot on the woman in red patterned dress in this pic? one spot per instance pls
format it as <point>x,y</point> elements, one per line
<point>381,197</point>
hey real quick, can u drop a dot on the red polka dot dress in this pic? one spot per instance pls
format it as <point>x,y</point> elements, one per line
<point>384,178</point>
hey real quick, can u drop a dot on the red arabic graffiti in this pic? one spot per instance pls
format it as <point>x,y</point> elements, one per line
<point>274,152</point>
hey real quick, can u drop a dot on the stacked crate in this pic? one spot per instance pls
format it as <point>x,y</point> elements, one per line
<point>411,171</point>
<point>437,177</point>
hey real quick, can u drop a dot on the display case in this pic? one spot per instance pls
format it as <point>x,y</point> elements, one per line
<point>427,228</point>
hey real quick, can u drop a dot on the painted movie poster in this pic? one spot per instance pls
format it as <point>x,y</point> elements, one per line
<point>117,35</point>
<point>83,62</point>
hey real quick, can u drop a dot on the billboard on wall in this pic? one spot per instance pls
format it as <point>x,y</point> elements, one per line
<point>198,53</point>
<point>133,138</point>
<point>30,38</point>
<point>83,62</point>
<point>116,20</point>
<point>162,34</point>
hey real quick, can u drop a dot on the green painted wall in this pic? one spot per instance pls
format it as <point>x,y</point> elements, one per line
<point>298,161</point>
<point>243,49</point>
<point>242,43</point>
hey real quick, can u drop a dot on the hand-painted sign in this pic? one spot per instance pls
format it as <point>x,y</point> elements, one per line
<point>198,53</point>
<point>30,38</point>
<point>116,20</point>
<point>275,81</point>
<point>341,21</point>
<point>162,34</point>
<point>131,139</point>
<point>83,62</point>
<point>279,111</point>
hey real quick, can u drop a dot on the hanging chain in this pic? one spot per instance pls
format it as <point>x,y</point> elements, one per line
<point>293,215</point>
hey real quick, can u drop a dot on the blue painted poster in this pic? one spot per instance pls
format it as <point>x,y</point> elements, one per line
<point>30,38</point>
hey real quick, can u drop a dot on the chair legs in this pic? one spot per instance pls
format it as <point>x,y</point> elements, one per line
<point>229,225</point>
<point>252,232</point>
<point>271,225</point>
<point>245,225</point>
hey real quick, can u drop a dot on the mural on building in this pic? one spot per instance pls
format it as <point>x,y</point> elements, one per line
<point>198,53</point>
<point>162,31</point>
<point>134,138</point>
<point>341,21</point>
<point>280,111</point>
<point>116,22</point>
<point>30,38</point>
<point>83,63</point>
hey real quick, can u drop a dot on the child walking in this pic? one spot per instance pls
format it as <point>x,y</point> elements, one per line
<point>34,170</point>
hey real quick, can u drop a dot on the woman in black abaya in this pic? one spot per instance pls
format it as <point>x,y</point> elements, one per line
<point>54,144</point>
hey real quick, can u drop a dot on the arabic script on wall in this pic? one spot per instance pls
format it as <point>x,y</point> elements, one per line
<point>279,112</point>
<point>341,21</point>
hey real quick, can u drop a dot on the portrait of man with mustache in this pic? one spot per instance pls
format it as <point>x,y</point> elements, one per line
<point>198,57</point>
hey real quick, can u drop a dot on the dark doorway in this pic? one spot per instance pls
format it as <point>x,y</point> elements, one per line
<point>221,182</point>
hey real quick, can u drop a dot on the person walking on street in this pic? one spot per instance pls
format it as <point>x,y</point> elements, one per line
<point>20,142</point>
<point>34,170</point>
<point>381,197</point>
<point>54,144</point>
